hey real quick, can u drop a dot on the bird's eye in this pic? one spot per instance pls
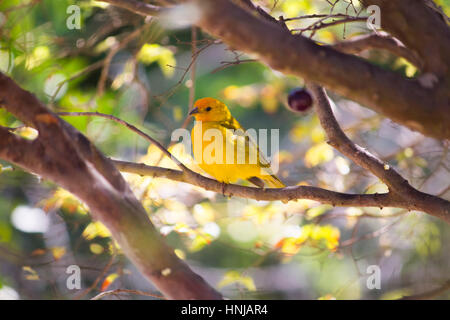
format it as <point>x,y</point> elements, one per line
<point>208,109</point>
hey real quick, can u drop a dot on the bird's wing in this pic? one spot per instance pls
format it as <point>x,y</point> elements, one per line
<point>231,123</point>
<point>250,146</point>
<point>245,144</point>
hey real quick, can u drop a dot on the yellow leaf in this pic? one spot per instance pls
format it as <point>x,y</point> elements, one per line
<point>313,235</point>
<point>410,69</point>
<point>108,281</point>
<point>342,165</point>
<point>62,198</point>
<point>396,294</point>
<point>58,252</point>
<point>30,273</point>
<point>318,210</point>
<point>378,187</point>
<point>327,233</point>
<point>96,248</point>
<point>289,246</point>
<point>317,134</point>
<point>177,113</point>
<point>318,154</point>
<point>180,254</point>
<point>260,214</point>
<point>37,57</point>
<point>269,99</point>
<point>203,213</point>
<point>125,77</point>
<point>327,297</point>
<point>244,96</point>
<point>27,132</point>
<point>151,53</point>
<point>200,241</point>
<point>95,229</point>
<point>38,252</point>
<point>232,277</point>
<point>293,8</point>
<point>6,61</point>
<point>326,36</point>
<point>106,44</point>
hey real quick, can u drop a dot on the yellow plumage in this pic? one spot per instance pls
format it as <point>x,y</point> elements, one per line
<point>245,161</point>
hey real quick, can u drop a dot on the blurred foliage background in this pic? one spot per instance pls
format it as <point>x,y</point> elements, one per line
<point>141,70</point>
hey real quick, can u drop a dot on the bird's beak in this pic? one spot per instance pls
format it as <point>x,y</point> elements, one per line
<point>193,111</point>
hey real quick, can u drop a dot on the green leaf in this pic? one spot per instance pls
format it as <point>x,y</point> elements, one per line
<point>150,53</point>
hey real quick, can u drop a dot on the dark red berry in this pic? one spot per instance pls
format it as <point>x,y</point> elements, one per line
<point>299,100</point>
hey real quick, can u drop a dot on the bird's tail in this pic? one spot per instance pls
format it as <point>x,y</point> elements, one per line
<point>274,182</point>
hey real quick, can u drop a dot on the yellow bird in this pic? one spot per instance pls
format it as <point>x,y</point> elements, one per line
<point>226,155</point>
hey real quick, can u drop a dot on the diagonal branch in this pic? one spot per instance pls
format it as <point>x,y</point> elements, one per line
<point>396,183</point>
<point>65,156</point>
<point>132,128</point>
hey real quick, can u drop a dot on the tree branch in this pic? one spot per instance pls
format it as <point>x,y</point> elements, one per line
<point>377,41</point>
<point>132,128</point>
<point>138,7</point>
<point>396,183</point>
<point>65,156</point>
<point>420,28</point>
<point>268,194</point>
<point>403,100</point>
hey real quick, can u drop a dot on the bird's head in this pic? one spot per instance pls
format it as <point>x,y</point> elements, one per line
<point>210,109</point>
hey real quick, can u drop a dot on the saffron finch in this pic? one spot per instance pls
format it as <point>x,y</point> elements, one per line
<point>224,153</point>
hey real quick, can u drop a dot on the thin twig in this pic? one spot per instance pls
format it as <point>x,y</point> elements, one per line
<point>119,46</point>
<point>193,67</point>
<point>119,291</point>
<point>97,280</point>
<point>132,128</point>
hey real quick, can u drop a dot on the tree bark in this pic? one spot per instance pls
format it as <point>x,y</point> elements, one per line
<point>64,156</point>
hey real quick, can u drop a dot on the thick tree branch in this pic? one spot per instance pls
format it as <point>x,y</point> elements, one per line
<point>377,41</point>
<point>396,183</point>
<point>420,28</point>
<point>403,100</point>
<point>356,44</point>
<point>65,156</point>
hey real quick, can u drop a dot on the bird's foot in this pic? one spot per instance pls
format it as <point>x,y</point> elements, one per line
<point>223,188</point>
